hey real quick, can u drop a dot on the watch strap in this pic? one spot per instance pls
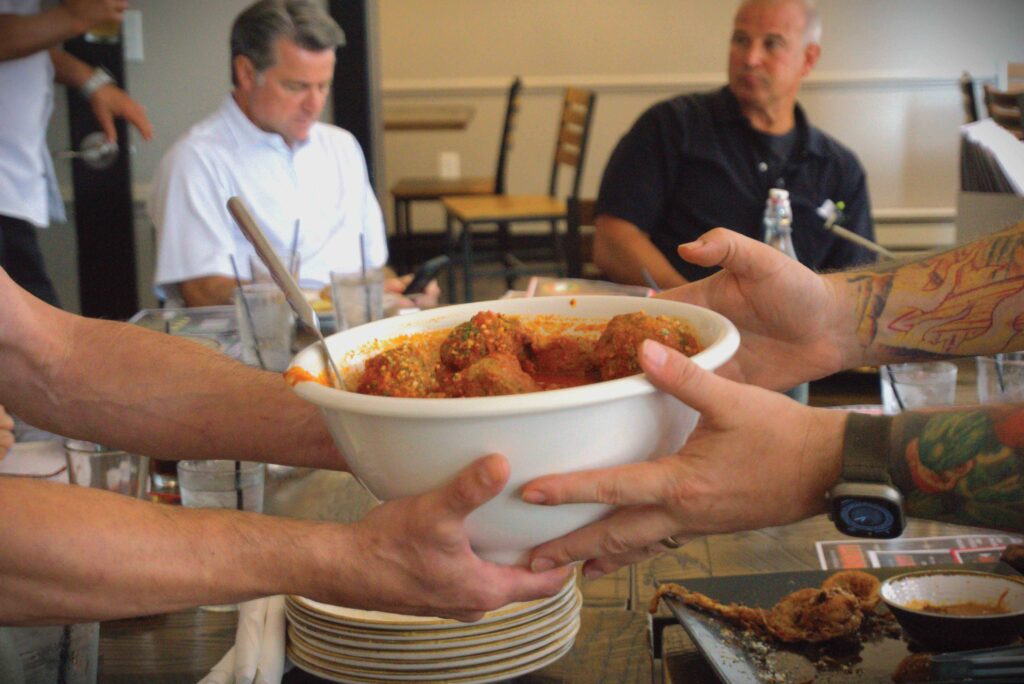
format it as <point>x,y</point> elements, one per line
<point>100,77</point>
<point>866,448</point>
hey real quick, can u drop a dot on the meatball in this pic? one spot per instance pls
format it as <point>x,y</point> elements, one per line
<point>484,334</point>
<point>565,356</point>
<point>398,372</point>
<point>616,350</point>
<point>491,376</point>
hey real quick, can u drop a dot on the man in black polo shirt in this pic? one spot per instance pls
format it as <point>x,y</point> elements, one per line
<point>699,161</point>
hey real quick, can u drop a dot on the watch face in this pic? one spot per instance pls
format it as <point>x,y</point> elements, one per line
<point>866,516</point>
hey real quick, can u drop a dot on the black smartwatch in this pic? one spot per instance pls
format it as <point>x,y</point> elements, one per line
<point>864,502</point>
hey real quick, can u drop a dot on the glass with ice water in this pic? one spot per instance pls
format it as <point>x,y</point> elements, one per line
<point>917,384</point>
<point>1001,378</point>
<point>265,326</point>
<point>358,297</point>
<point>221,484</point>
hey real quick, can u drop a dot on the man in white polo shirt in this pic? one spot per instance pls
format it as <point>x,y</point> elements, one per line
<point>266,145</point>
<point>30,60</point>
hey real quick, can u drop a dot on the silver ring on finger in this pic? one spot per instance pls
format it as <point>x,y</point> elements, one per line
<point>671,543</point>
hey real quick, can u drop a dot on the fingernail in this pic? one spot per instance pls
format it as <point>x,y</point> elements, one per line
<point>692,245</point>
<point>484,477</point>
<point>534,497</point>
<point>654,353</point>
<point>541,564</point>
<point>593,573</point>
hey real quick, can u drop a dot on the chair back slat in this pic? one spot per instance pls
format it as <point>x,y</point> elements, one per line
<point>1006,107</point>
<point>507,137</point>
<point>579,247</point>
<point>571,141</point>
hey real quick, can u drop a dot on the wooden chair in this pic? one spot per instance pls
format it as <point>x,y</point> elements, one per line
<point>1006,107</point>
<point>408,191</point>
<point>970,102</point>
<point>504,210</point>
<point>579,238</point>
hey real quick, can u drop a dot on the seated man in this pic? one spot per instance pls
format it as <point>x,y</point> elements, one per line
<point>265,144</point>
<point>709,159</point>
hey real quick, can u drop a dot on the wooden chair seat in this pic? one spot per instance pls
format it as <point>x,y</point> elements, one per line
<point>499,208</point>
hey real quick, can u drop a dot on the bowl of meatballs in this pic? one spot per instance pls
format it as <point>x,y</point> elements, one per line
<point>552,383</point>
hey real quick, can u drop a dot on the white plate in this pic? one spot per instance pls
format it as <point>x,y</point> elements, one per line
<point>501,651</point>
<point>440,648</point>
<point>492,672</point>
<point>380,620</point>
<point>470,633</point>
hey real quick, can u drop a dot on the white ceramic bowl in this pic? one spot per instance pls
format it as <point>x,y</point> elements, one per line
<point>400,446</point>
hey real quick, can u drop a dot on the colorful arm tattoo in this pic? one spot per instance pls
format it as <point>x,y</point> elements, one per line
<point>962,302</point>
<point>962,466</point>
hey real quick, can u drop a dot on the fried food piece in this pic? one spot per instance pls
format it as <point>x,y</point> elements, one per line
<point>813,615</point>
<point>494,375</point>
<point>398,372</point>
<point>616,350</point>
<point>805,616</point>
<point>916,667</point>
<point>866,587</point>
<point>754,619</point>
<point>485,334</point>
<point>565,356</point>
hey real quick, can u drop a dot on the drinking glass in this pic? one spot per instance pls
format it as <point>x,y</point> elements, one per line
<point>265,325</point>
<point>358,297</point>
<point>1001,378</point>
<point>93,465</point>
<point>221,484</point>
<point>911,385</point>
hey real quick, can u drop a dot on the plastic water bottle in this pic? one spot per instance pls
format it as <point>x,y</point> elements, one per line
<point>778,232</point>
<point>778,222</point>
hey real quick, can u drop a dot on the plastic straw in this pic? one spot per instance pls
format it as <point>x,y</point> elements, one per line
<point>239,498</point>
<point>366,285</point>
<point>892,384</point>
<point>294,253</point>
<point>999,373</point>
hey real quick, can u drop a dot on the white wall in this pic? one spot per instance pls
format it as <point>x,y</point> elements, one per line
<point>885,86</point>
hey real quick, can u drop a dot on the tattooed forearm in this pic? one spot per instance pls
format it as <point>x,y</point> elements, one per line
<point>962,466</point>
<point>965,301</point>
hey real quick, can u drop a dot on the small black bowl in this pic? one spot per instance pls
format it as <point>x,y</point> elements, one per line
<point>943,632</point>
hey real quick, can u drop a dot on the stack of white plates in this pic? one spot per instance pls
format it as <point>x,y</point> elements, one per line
<point>349,645</point>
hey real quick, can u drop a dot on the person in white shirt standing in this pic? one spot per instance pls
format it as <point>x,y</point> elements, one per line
<point>305,181</point>
<point>30,60</point>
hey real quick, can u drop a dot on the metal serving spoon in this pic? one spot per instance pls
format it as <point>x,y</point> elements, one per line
<point>296,299</point>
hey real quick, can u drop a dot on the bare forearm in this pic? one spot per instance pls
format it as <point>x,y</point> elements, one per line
<point>75,554</point>
<point>622,252</point>
<point>960,302</point>
<point>208,291</point>
<point>149,392</point>
<point>68,69</point>
<point>23,35</point>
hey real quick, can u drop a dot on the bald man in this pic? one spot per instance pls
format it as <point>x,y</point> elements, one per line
<point>703,160</point>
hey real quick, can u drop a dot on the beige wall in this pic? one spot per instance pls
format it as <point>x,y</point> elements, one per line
<point>885,86</point>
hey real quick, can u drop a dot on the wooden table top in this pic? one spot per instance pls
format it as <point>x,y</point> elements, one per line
<point>427,117</point>
<point>613,643</point>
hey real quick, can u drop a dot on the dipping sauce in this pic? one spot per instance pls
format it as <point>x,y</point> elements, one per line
<point>966,608</point>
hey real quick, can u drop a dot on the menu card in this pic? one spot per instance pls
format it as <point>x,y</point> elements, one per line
<point>849,554</point>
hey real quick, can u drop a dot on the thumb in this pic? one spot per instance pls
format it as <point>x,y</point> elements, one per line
<point>737,253</point>
<point>475,485</point>
<point>674,373</point>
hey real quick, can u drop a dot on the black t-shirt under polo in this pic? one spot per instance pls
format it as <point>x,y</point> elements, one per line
<point>692,163</point>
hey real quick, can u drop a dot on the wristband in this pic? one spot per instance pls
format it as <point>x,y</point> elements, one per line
<point>100,77</point>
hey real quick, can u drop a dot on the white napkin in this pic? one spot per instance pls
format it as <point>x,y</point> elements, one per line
<point>258,654</point>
